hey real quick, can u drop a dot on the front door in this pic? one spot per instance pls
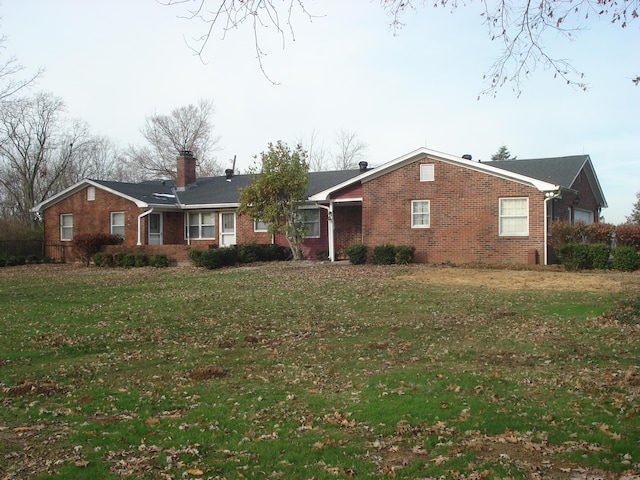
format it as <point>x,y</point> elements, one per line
<point>227,229</point>
<point>155,229</point>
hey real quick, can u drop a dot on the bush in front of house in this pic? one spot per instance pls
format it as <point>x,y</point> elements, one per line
<point>600,254</point>
<point>219,257</point>
<point>628,235</point>
<point>103,259</point>
<point>404,254</point>
<point>575,256</point>
<point>625,259</point>
<point>195,256</point>
<point>141,260</point>
<point>384,254</point>
<point>88,244</point>
<point>357,254</point>
<point>128,260</point>
<point>599,233</point>
<point>250,252</point>
<point>159,260</point>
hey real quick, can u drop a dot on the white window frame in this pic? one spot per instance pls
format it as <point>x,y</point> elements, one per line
<point>66,231</point>
<point>91,194</point>
<point>427,172</point>
<point>311,224</point>
<point>503,218</point>
<point>415,214</point>
<point>200,225</point>
<point>260,226</point>
<point>117,223</point>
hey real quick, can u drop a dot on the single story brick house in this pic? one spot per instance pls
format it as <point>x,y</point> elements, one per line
<point>450,208</point>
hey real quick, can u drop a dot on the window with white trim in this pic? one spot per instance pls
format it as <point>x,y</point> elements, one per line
<point>420,213</point>
<point>427,172</point>
<point>200,225</point>
<point>66,227</point>
<point>311,221</point>
<point>260,226</point>
<point>117,223</point>
<point>91,194</point>
<point>514,217</point>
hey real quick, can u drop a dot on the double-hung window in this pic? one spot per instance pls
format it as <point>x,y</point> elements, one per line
<point>117,223</point>
<point>514,217</point>
<point>66,227</point>
<point>260,226</point>
<point>420,214</point>
<point>201,225</point>
<point>311,221</point>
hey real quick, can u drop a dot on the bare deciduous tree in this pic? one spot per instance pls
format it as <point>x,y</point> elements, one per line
<point>10,68</point>
<point>185,128</point>
<point>520,25</point>
<point>350,150</point>
<point>316,152</point>
<point>38,147</point>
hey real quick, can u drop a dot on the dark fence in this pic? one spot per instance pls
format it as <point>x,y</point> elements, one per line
<point>20,248</point>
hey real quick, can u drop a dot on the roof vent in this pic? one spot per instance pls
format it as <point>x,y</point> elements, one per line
<point>363,166</point>
<point>467,156</point>
<point>228,173</point>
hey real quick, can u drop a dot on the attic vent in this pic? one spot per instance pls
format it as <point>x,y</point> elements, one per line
<point>363,166</point>
<point>467,156</point>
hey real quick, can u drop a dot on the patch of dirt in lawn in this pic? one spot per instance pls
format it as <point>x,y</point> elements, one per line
<point>549,278</point>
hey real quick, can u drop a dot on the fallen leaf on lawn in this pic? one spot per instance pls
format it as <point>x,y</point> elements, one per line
<point>195,472</point>
<point>81,463</point>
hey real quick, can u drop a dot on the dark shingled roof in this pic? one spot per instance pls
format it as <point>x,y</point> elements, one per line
<point>558,170</point>
<point>213,190</point>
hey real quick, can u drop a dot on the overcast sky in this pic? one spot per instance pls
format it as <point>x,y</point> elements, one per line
<point>115,62</point>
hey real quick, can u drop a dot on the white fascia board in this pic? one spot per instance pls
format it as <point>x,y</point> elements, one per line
<point>67,192</point>
<point>444,157</point>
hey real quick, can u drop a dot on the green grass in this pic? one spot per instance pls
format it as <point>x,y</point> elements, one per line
<point>318,372</point>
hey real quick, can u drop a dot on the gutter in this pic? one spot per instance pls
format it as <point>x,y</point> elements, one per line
<point>548,196</point>
<point>144,214</point>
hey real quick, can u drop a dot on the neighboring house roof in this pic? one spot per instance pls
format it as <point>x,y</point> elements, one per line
<point>207,192</point>
<point>562,171</point>
<point>541,185</point>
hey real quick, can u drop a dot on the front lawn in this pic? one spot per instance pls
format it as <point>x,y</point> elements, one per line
<point>314,371</point>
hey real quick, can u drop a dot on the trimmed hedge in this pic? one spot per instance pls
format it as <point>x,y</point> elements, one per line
<point>357,253</point>
<point>625,259</point>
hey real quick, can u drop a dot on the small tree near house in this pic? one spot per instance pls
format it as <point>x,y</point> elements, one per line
<point>277,191</point>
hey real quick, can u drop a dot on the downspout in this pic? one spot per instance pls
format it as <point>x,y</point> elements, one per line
<point>548,196</point>
<point>330,230</point>
<point>144,214</point>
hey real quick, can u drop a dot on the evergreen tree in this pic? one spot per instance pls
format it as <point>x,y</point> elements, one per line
<point>502,154</point>
<point>635,213</point>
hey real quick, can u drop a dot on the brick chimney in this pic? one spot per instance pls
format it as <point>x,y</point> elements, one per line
<point>186,170</point>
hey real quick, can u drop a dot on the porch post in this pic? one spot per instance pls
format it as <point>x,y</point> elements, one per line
<point>331,233</point>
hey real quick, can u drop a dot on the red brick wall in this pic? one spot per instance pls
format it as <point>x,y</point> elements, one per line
<point>88,217</point>
<point>464,215</point>
<point>348,221</point>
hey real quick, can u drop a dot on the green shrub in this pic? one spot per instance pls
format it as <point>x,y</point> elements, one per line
<point>219,257</point>
<point>159,260</point>
<point>3,261</point>
<point>32,259</point>
<point>575,256</point>
<point>599,254</point>
<point>141,260</point>
<point>384,254</point>
<point>103,259</point>
<point>195,256</point>
<point>118,259</point>
<point>249,252</point>
<point>625,259</point>
<point>273,252</point>
<point>404,254</point>
<point>129,260</point>
<point>357,253</point>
